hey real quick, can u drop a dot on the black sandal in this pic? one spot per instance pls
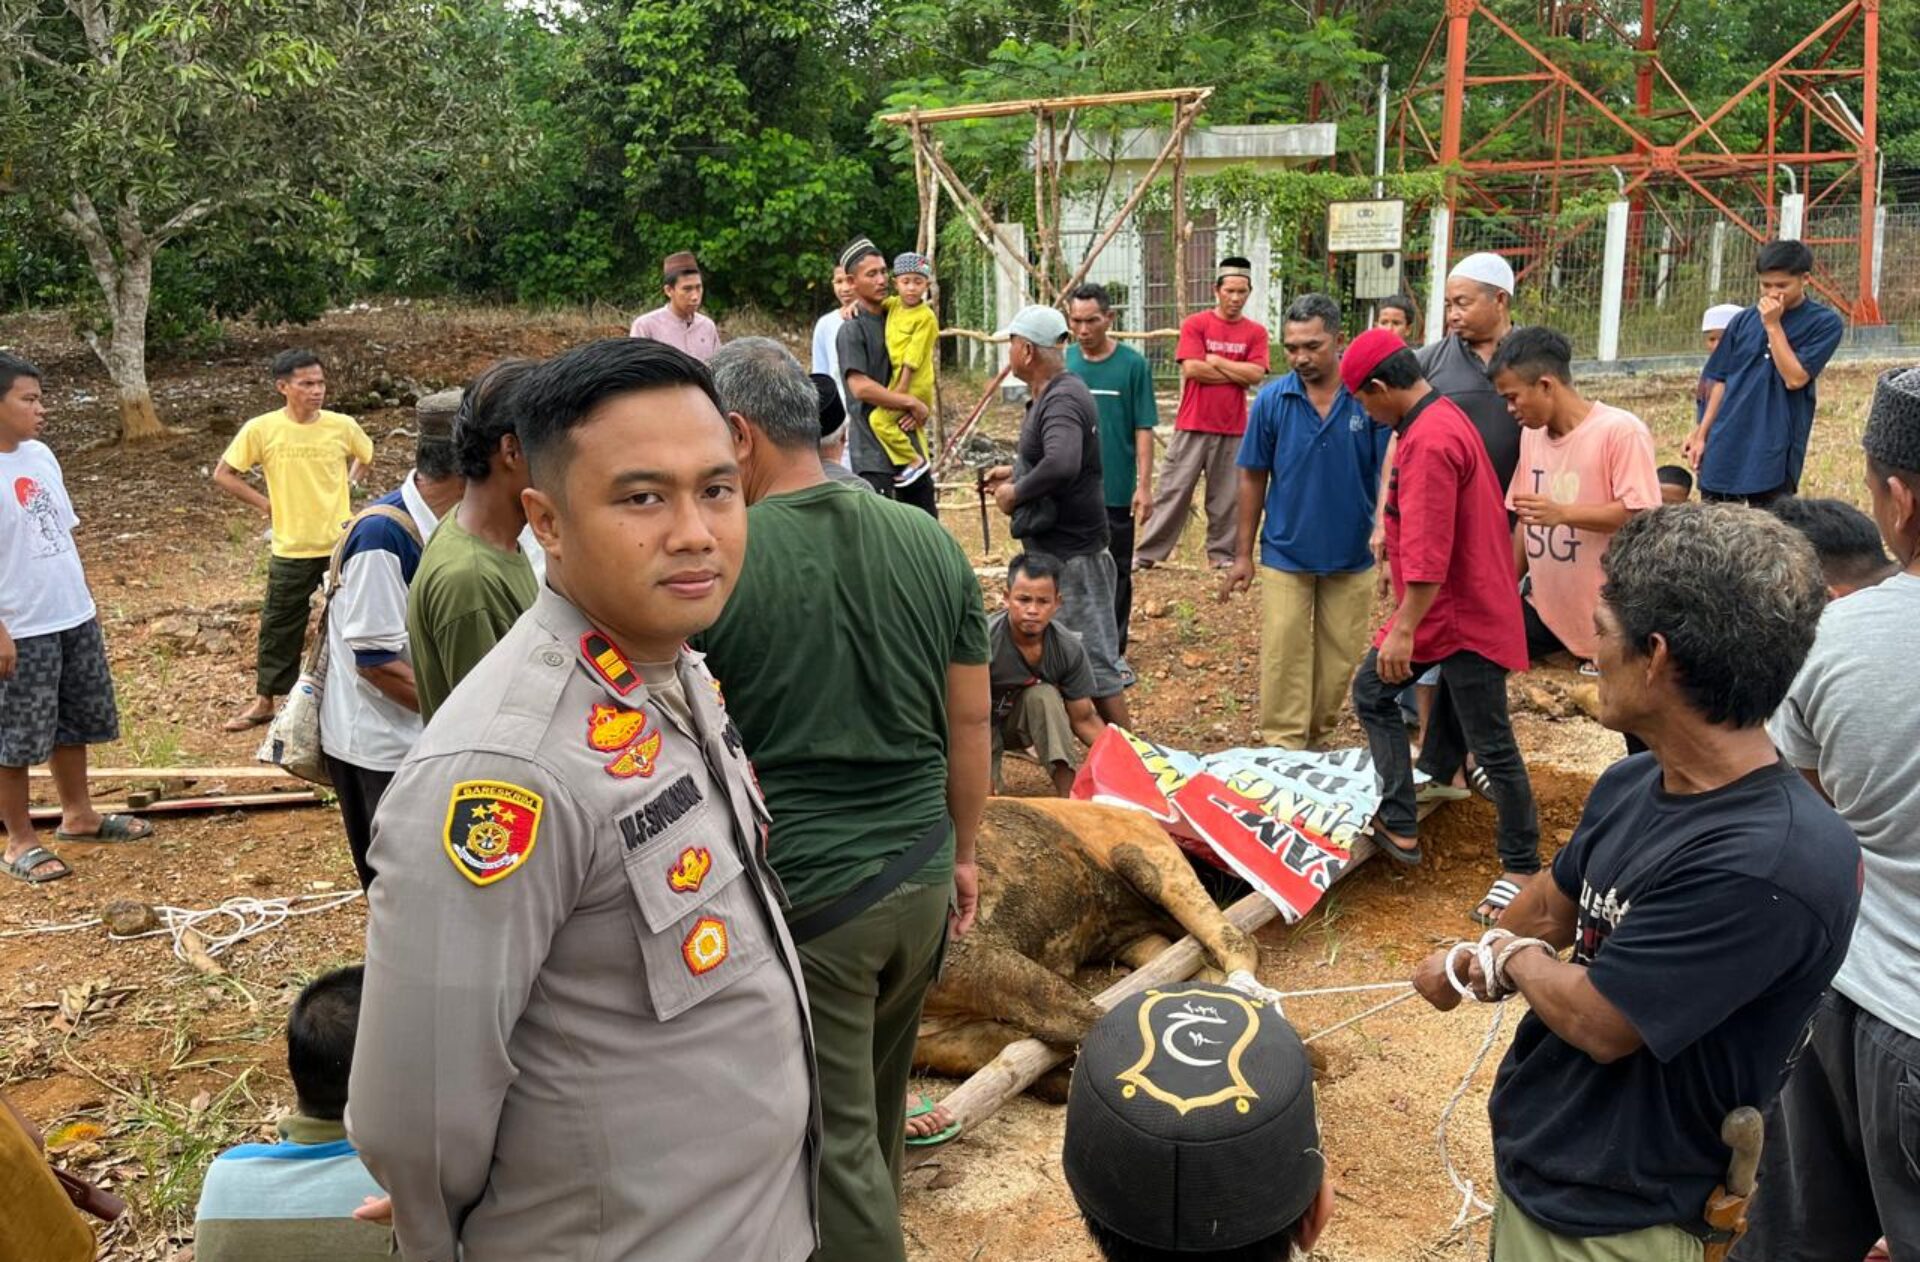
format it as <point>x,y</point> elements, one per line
<point>22,869</point>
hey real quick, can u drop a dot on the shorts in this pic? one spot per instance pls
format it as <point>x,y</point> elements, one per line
<point>60,693</point>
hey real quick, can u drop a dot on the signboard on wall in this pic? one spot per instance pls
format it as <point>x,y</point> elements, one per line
<point>1354,227</point>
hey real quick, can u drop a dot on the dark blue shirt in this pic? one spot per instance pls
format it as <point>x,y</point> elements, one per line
<point>1323,478</point>
<point>1713,922</point>
<point>379,533</point>
<point>1759,437</point>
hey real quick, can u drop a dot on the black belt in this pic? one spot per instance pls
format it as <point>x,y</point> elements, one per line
<point>862,896</point>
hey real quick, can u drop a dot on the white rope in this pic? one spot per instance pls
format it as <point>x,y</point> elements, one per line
<point>243,917</point>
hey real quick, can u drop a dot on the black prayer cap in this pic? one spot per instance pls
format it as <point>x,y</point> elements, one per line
<point>1893,423</point>
<point>1190,1122</point>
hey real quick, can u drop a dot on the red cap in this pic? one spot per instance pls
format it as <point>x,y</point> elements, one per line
<point>1366,353</point>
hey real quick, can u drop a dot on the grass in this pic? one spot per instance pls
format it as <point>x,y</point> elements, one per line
<point>176,1142</point>
<point>150,744</point>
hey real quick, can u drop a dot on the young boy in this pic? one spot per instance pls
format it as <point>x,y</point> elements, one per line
<point>295,1200</point>
<point>56,691</point>
<point>1713,326</point>
<point>309,457</point>
<point>913,333</point>
<point>1676,483</point>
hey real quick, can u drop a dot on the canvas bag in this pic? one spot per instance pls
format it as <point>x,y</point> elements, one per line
<point>293,738</point>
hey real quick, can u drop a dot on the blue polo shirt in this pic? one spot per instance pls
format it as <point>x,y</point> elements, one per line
<point>1759,437</point>
<point>1323,478</point>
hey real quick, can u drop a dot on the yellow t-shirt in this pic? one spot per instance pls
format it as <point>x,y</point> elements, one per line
<point>306,471</point>
<point>912,333</point>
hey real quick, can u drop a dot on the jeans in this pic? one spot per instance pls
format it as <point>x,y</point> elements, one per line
<point>1120,545</point>
<point>1469,716</point>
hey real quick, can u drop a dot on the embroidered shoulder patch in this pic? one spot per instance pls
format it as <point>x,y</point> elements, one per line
<point>706,945</point>
<point>491,827</point>
<point>626,733</point>
<point>608,662</point>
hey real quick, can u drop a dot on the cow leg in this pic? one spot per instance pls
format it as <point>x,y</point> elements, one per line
<point>964,1050</point>
<point>1165,880</point>
<point>983,978</point>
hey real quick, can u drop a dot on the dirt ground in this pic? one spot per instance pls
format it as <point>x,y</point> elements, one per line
<point>142,1067</point>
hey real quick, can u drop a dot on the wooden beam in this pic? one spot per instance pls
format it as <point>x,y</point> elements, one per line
<point>169,806</point>
<point>1004,109</point>
<point>252,771</point>
<point>1177,229</point>
<point>1184,121</point>
<point>981,219</point>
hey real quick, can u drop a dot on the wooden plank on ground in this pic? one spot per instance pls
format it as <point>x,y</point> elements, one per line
<point>170,806</point>
<point>252,771</point>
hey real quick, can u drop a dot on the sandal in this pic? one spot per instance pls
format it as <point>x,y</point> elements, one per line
<point>112,828</point>
<point>1477,781</point>
<point>1405,856</point>
<point>245,722</point>
<point>22,869</point>
<point>936,1139</point>
<point>1434,791</point>
<point>1500,896</point>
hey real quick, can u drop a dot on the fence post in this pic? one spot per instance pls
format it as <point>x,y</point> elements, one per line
<point>1716,258</point>
<point>1437,274</point>
<point>1793,213</point>
<point>1663,274</point>
<point>1613,273</point>
<point>1879,247</point>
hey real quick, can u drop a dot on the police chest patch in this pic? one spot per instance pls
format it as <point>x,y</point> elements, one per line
<point>627,734</point>
<point>689,871</point>
<point>705,946</point>
<point>661,812</point>
<point>491,828</point>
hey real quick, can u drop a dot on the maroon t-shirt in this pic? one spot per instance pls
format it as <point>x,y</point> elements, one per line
<point>1447,524</point>
<point>1217,407</point>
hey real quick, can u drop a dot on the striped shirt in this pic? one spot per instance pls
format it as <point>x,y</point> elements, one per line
<point>292,1201</point>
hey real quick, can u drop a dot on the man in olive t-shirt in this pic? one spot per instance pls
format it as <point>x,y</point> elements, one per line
<point>853,653</point>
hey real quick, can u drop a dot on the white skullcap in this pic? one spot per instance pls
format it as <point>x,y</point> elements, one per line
<point>1488,269</point>
<point>1719,317</point>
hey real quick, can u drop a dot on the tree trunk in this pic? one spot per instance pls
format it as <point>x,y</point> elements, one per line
<point>126,356</point>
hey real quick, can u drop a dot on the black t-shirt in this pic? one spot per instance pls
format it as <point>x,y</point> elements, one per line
<point>862,343</point>
<point>1713,921</point>
<point>1060,448</point>
<point>1063,663</point>
<point>1455,370</point>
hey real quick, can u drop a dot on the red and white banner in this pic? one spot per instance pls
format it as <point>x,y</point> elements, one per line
<point>1284,821</point>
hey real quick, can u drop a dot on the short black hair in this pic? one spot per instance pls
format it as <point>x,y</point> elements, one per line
<point>434,457</point>
<point>1117,1248</point>
<point>287,363</point>
<point>1092,291</point>
<point>1844,538</point>
<point>1034,565</point>
<point>556,397</point>
<point>1531,352</point>
<point>1676,475</point>
<point>1400,303</point>
<point>12,368</point>
<point>1315,307</point>
<point>487,414</point>
<point>1397,371</point>
<point>1784,256</point>
<point>320,1032</point>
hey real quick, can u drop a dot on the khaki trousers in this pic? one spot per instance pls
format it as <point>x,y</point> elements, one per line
<point>1313,632</point>
<point>1517,1238</point>
<point>1037,721</point>
<point>1191,456</point>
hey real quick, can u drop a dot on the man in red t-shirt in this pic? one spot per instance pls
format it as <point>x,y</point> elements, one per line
<point>1457,606</point>
<point>1222,355</point>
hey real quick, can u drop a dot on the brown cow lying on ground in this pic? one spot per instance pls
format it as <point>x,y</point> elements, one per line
<point>1063,885</point>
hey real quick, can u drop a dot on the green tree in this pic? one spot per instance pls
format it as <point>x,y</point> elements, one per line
<point>137,125</point>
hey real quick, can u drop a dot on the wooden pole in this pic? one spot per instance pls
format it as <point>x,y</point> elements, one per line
<point>1041,246</point>
<point>1177,229</point>
<point>920,183</point>
<point>973,418</point>
<point>1182,122</point>
<point>978,216</point>
<point>1003,109</point>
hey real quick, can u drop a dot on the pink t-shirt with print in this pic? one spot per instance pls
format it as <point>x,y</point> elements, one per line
<point>1607,457</point>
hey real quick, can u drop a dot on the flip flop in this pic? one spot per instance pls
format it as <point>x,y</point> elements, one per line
<point>1410,858</point>
<point>1500,896</point>
<point>936,1139</point>
<point>21,869</point>
<point>245,722</point>
<point>113,828</point>
<point>1434,791</point>
<point>1478,781</point>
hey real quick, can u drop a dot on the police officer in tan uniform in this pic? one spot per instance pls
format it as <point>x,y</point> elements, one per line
<point>584,1032</point>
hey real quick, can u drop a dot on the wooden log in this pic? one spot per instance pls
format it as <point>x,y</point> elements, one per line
<point>1177,139</point>
<point>1003,109</point>
<point>252,771</point>
<point>1148,335</point>
<point>984,225</point>
<point>170,806</point>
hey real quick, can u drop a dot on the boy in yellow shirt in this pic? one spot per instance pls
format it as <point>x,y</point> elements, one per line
<point>308,456</point>
<point>913,333</point>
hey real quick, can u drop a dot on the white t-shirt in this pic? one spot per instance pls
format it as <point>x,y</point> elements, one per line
<point>42,587</point>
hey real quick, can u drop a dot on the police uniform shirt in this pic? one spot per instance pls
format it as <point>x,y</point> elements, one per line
<point>583,1032</point>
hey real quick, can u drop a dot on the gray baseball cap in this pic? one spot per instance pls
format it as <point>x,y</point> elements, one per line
<point>1043,326</point>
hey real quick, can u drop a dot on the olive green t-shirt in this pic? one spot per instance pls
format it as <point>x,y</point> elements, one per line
<point>465,594</point>
<point>833,654</point>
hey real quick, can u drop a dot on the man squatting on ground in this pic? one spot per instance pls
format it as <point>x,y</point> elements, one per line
<point>1042,680</point>
<point>1450,555</point>
<point>1708,895</point>
<point>1310,469</point>
<point>1054,497</point>
<point>1839,1165</point>
<point>854,651</point>
<point>584,1031</point>
<point>56,689</point>
<point>309,457</point>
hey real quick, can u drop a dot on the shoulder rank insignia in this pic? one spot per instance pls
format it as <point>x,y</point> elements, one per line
<point>1191,1042</point>
<point>608,662</point>
<point>626,733</point>
<point>705,946</point>
<point>491,828</point>
<point>689,871</point>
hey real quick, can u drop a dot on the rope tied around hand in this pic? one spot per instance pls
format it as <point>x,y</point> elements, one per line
<point>1495,948</point>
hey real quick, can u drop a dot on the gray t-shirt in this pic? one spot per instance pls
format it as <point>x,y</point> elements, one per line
<point>1851,717</point>
<point>1456,371</point>
<point>1063,663</point>
<point>863,349</point>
